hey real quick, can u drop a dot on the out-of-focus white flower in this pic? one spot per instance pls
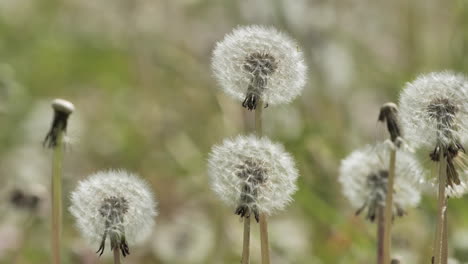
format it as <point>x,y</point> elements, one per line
<point>252,174</point>
<point>364,173</point>
<point>434,114</point>
<point>258,62</point>
<point>188,238</point>
<point>114,203</point>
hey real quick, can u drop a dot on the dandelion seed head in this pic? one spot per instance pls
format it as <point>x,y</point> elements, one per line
<point>364,176</point>
<point>253,174</point>
<point>255,62</point>
<point>113,202</point>
<point>434,110</point>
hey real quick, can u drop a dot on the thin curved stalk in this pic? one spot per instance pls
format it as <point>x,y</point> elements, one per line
<point>116,255</point>
<point>57,198</point>
<point>265,248</point>
<point>380,235</point>
<point>388,208</point>
<point>438,243</point>
<point>264,244</point>
<point>246,241</point>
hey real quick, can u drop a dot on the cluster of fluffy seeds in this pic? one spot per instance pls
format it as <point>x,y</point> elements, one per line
<point>434,110</point>
<point>434,114</point>
<point>363,176</point>
<point>113,202</point>
<point>257,61</point>
<point>252,174</point>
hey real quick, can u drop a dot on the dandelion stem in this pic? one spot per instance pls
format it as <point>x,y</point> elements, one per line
<point>388,208</point>
<point>438,244</point>
<point>264,239</point>
<point>246,241</point>
<point>445,236</point>
<point>380,234</point>
<point>258,118</point>
<point>57,198</point>
<point>265,248</point>
<point>116,255</point>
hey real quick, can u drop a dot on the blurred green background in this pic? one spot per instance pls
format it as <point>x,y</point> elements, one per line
<point>138,72</point>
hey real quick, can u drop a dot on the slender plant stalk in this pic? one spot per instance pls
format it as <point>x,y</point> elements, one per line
<point>57,198</point>
<point>388,208</point>
<point>265,248</point>
<point>380,235</point>
<point>116,255</point>
<point>438,243</point>
<point>246,241</point>
<point>264,245</point>
<point>445,236</point>
<point>258,118</point>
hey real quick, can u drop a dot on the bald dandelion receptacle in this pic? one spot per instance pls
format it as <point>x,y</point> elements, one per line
<point>252,174</point>
<point>115,206</point>
<point>255,63</point>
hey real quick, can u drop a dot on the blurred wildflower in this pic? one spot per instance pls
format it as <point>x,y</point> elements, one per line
<point>188,238</point>
<point>434,114</point>
<point>257,62</point>
<point>363,176</point>
<point>253,174</point>
<point>114,203</point>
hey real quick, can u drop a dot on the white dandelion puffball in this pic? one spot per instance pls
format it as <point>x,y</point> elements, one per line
<point>258,62</point>
<point>364,174</point>
<point>116,204</point>
<point>252,174</point>
<point>434,110</point>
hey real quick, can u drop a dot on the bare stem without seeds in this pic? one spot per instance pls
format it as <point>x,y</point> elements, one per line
<point>445,236</point>
<point>389,208</point>
<point>265,248</point>
<point>264,245</point>
<point>246,241</point>
<point>57,198</point>
<point>380,234</point>
<point>438,243</point>
<point>116,255</point>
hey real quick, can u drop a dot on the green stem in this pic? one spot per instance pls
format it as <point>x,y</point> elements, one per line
<point>246,241</point>
<point>389,208</point>
<point>57,198</point>
<point>438,243</point>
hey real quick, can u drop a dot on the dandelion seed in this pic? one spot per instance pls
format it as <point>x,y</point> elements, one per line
<point>114,204</point>
<point>257,62</point>
<point>252,174</point>
<point>363,176</point>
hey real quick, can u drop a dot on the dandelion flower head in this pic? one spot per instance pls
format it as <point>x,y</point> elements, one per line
<point>434,114</point>
<point>252,174</point>
<point>364,174</point>
<point>114,204</point>
<point>258,62</point>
